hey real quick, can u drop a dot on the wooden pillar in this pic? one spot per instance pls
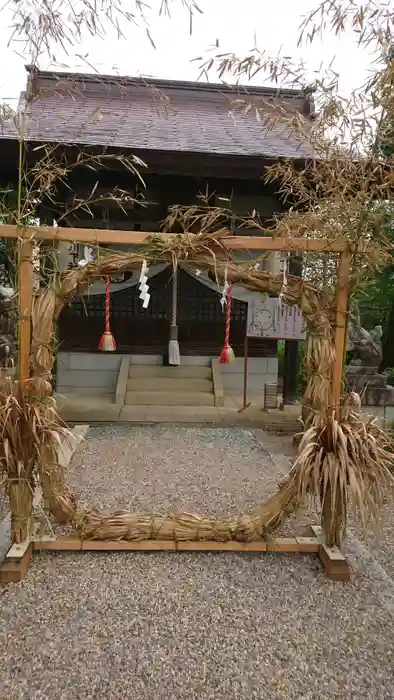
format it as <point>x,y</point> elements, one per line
<point>342,298</point>
<point>25,291</point>
<point>290,371</point>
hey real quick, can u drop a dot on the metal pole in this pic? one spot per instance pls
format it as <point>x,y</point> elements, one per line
<point>246,404</point>
<point>245,371</point>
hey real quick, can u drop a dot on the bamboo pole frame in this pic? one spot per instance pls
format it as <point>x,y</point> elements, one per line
<point>25,297</point>
<point>333,561</point>
<point>101,236</point>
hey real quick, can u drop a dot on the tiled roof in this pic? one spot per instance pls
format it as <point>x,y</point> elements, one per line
<point>156,115</point>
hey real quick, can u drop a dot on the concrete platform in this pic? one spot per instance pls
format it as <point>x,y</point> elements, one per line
<point>76,408</point>
<point>162,399</point>
<point>82,409</point>
<point>85,410</point>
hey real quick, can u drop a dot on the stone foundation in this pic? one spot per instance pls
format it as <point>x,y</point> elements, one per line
<point>96,373</point>
<point>369,384</point>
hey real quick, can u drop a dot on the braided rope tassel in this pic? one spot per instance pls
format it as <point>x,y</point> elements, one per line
<point>227,354</point>
<point>107,342</point>
<point>173,345</point>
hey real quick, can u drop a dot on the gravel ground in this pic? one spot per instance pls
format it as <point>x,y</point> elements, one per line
<point>201,626</point>
<point>4,508</point>
<point>189,626</point>
<point>380,544</point>
<point>171,468</point>
<point>166,467</point>
<point>383,545</point>
<point>4,523</point>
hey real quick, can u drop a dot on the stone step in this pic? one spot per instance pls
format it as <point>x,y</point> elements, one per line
<point>291,428</point>
<point>167,398</point>
<point>188,371</point>
<point>170,384</point>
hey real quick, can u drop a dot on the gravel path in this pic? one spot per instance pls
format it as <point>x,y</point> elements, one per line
<point>167,468</point>
<point>383,544</point>
<point>189,626</point>
<point>172,468</point>
<point>380,544</point>
<point>199,626</point>
<point>4,522</point>
<point>4,507</point>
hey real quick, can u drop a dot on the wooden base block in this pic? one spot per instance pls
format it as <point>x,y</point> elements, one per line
<point>119,546</point>
<point>13,570</point>
<point>317,531</point>
<point>308,545</point>
<point>74,544</point>
<point>279,544</point>
<point>292,544</point>
<point>15,566</point>
<point>335,563</point>
<point>210,546</point>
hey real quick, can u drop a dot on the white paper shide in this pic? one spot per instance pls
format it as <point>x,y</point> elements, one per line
<point>143,286</point>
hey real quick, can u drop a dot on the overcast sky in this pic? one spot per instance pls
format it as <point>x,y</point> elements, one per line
<point>232,22</point>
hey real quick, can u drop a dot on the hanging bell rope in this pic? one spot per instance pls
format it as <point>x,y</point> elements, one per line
<point>227,354</point>
<point>173,345</point>
<point>107,342</point>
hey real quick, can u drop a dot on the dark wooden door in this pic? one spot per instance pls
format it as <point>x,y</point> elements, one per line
<point>135,329</point>
<point>200,321</point>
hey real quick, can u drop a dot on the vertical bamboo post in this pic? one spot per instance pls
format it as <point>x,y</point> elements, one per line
<point>25,292</point>
<point>342,298</point>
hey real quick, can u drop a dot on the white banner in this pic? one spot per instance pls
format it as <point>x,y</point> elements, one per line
<point>269,317</point>
<point>202,276</point>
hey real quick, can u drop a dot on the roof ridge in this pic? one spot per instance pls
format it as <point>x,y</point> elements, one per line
<point>165,83</point>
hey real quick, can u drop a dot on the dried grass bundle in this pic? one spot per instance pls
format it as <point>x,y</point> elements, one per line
<point>343,463</point>
<point>41,357</point>
<point>319,364</point>
<point>122,525</point>
<point>27,428</point>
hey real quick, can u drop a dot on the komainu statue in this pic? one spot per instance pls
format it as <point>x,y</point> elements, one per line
<point>364,346</point>
<point>7,329</point>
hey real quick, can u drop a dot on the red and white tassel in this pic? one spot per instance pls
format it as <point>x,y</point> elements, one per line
<point>107,342</point>
<point>227,354</point>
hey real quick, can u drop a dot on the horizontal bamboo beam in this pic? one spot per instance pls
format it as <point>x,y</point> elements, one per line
<point>279,544</point>
<point>130,238</point>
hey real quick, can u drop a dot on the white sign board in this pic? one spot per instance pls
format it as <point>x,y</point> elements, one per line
<point>269,317</point>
